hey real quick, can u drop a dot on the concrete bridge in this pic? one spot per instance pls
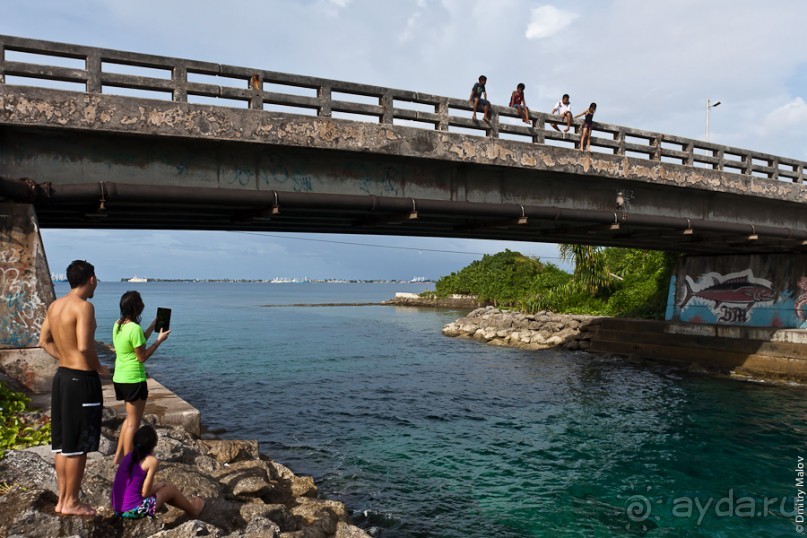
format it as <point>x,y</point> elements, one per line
<point>296,153</point>
<point>96,138</point>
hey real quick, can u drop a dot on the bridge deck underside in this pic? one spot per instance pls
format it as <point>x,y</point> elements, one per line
<point>432,224</point>
<point>171,179</point>
<point>315,214</point>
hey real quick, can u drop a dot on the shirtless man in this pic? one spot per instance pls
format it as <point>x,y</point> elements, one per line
<point>68,334</point>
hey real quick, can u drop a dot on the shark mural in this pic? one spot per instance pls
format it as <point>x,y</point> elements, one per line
<point>730,298</point>
<point>768,291</point>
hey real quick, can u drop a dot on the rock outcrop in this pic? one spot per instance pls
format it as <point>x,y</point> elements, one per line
<point>248,494</point>
<point>531,331</point>
<point>414,299</point>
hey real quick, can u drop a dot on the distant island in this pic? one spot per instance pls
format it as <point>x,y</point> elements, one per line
<point>284,280</point>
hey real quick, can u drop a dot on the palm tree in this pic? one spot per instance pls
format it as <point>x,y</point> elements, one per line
<point>590,271</point>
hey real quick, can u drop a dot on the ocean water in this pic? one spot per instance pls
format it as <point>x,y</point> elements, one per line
<point>427,436</point>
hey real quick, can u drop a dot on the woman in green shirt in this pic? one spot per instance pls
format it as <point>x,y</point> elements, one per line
<point>129,379</point>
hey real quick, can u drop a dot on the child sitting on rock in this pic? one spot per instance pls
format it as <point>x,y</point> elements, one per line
<point>134,494</point>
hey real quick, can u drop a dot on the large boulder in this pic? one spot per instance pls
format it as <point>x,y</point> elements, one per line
<point>176,445</point>
<point>246,493</point>
<point>298,486</point>
<point>231,451</point>
<point>29,513</point>
<point>346,530</point>
<point>28,469</point>
<point>189,480</point>
<point>275,512</point>
<point>318,517</point>
<point>261,527</point>
<point>31,367</point>
<point>191,529</point>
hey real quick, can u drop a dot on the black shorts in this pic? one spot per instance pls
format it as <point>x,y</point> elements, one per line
<point>76,408</point>
<point>131,392</point>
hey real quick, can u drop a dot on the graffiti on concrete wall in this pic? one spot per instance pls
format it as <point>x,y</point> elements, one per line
<point>21,307</point>
<point>726,299</point>
<point>800,304</point>
<point>741,298</point>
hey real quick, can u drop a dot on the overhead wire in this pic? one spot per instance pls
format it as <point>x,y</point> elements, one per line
<point>373,245</point>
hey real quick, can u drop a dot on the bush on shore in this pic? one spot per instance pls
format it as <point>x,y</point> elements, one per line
<point>635,284</point>
<point>21,427</point>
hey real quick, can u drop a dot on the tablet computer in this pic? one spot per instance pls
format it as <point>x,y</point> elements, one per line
<point>163,319</point>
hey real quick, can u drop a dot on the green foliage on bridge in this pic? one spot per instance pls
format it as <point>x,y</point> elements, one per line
<point>609,282</point>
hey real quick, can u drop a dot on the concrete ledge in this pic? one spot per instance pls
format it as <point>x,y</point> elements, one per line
<point>793,336</point>
<point>33,368</point>
<point>170,409</point>
<point>757,353</point>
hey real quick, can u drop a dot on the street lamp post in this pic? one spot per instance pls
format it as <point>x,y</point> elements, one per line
<point>709,105</point>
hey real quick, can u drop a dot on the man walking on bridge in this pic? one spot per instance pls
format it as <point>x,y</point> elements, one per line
<point>68,334</point>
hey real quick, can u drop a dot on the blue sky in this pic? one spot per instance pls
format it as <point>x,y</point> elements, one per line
<point>648,64</point>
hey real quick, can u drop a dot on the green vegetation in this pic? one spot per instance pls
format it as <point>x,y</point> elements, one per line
<point>21,427</point>
<point>607,281</point>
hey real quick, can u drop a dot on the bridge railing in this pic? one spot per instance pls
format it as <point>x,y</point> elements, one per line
<point>94,70</point>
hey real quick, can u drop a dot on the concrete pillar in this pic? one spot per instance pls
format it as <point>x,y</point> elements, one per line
<point>25,281</point>
<point>761,290</point>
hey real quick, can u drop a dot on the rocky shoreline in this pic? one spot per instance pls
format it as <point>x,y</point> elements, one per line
<point>414,299</point>
<point>248,494</point>
<point>529,331</point>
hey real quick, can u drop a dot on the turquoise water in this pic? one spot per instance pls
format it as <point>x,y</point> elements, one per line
<point>423,435</point>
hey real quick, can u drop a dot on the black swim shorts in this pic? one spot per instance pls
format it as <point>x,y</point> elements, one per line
<point>76,407</point>
<point>131,392</point>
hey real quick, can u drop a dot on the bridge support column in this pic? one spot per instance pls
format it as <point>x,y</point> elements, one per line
<point>27,291</point>
<point>759,290</point>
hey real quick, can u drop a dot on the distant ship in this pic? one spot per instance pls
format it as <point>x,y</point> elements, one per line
<point>138,279</point>
<point>286,280</point>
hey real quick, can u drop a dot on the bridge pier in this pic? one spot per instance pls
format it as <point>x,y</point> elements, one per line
<point>756,290</point>
<point>27,290</point>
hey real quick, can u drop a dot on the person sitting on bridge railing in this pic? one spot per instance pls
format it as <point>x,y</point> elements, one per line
<point>518,102</point>
<point>479,97</point>
<point>563,108</point>
<point>585,136</point>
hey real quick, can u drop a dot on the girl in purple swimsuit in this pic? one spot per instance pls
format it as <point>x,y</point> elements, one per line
<point>134,493</point>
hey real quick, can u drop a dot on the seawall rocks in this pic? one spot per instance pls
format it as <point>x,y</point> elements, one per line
<point>248,494</point>
<point>530,331</point>
<point>414,299</point>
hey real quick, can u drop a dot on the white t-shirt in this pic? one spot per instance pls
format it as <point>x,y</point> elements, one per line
<point>561,109</point>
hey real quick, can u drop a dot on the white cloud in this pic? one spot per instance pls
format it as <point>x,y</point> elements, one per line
<point>411,25</point>
<point>340,3</point>
<point>547,21</point>
<point>792,114</point>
